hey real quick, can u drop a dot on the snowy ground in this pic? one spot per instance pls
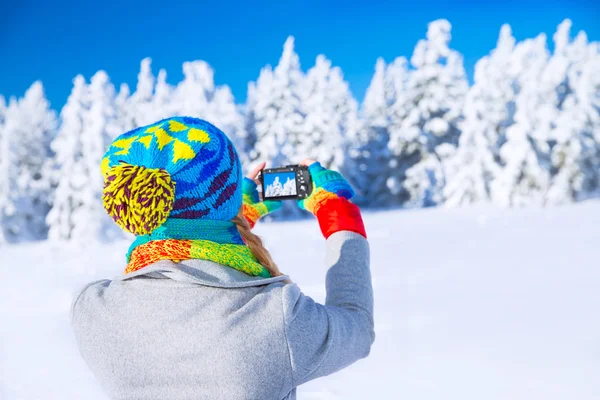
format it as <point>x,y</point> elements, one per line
<point>470,304</point>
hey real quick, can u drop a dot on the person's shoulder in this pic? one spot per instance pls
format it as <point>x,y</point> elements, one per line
<point>292,299</point>
<point>91,289</point>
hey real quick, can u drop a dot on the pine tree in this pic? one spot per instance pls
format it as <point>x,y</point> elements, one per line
<point>227,116</point>
<point>123,118</point>
<point>198,96</point>
<point>488,112</point>
<point>275,106</point>
<point>193,95</point>
<point>368,157</point>
<point>248,115</point>
<point>4,174</point>
<point>71,176</point>
<point>100,126</point>
<point>575,155</point>
<point>82,139</point>
<point>524,177</point>
<point>30,126</point>
<point>141,107</point>
<point>428,135</point>
<point>161,102</point>
<point>398,103</point>
<point>329,109</point>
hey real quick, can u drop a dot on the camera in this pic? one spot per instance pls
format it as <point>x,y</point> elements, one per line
<point>292,182</point>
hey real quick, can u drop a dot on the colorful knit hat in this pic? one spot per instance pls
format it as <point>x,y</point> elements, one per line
<point>179,167</point>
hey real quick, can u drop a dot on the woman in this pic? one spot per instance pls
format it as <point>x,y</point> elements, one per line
<point>202,311</point>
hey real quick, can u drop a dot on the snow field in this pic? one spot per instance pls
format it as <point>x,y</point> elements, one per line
<point>469,304</point>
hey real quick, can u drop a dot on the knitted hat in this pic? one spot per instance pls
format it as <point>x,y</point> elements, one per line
<point>179,167</point>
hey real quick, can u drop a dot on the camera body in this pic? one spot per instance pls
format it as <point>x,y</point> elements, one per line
<point>292,182</point>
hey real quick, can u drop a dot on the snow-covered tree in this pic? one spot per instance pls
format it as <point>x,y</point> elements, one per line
<point>367,162</point>
<point>330,110</point>
<point>524,177</point>
<point>141,101</point>
<point>29,127</point>
<point>398,107</point>
<point>71,177</point>
<point>428,135</point>
<point>150,102</point>
<point>4,174</point>
<point>100,127</point>
<point>194,93</point>
<point>123,118</point>
<point>488,111</point>
<point>226,115</point>
<point>87,126</point>
<point>572,74</point>
<point>198,96</point>
<point>275,107</point>
<point>161,102</point>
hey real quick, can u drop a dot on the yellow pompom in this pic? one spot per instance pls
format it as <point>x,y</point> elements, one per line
<point>138,199</point>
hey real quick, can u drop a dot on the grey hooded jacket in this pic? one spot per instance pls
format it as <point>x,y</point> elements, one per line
<point>199,330</point>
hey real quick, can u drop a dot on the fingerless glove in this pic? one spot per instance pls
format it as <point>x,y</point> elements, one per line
<point>253,208</point>
<point>330,202</point>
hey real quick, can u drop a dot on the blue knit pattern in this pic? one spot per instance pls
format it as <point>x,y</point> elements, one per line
<point>199,157</point>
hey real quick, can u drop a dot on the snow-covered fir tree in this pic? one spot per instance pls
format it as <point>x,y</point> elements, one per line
<point>194,93</point>
<point>4,163</point>
<point>71,178</point>
<point>87,126</point>
<point>488,111</point>
<point>247,111</point>
<point>123,121</point>
<point>275,107</point>
<point>150,102</point>
<point>330,111</point>
<point>367,163</point>
<point>427,137</point>
<point>198,96</point>
<point>162,100</point>
<point>226,115</point>
<point>141,105</point>
<point>575,153</point>
<point>525,174</point>
<point>29,127</point>
<point>398,106</point>
<point>100,128</point>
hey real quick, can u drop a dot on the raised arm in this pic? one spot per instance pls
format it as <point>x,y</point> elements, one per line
<point>323,339</point>
<point>253,207</point>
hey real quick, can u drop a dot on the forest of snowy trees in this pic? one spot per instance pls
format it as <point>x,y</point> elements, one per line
<point>526,132</point>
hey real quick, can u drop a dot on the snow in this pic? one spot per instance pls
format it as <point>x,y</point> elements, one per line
<point>470,303</point>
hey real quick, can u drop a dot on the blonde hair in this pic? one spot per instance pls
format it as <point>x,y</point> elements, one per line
<point>255,244</point>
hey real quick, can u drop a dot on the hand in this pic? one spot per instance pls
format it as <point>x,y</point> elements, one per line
<point>327,185</point>
<point>253,207</point>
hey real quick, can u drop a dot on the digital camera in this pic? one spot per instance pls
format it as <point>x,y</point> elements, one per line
<point>292,182</point>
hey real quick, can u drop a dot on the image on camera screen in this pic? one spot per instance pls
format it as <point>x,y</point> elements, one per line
<point>280,184</point>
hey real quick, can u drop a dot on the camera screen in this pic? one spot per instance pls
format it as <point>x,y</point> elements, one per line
<point>278,184</point>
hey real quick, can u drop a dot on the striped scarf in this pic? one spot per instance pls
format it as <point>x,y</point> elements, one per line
<point>184,239</point>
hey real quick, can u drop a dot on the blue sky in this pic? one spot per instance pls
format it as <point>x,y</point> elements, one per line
<point>54,41</point>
